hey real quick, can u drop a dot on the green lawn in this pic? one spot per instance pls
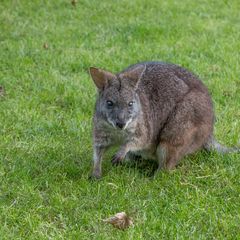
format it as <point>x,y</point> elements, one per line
<point>46,48</point>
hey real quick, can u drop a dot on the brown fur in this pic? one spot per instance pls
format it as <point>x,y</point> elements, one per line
<point>172,115</point>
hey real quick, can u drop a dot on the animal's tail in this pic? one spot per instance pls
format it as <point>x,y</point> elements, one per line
<point>213,145</point>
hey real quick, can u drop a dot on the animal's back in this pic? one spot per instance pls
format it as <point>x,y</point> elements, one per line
<point>162,76</point>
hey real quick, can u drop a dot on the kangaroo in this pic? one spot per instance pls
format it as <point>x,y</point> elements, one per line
<point>155,110</point>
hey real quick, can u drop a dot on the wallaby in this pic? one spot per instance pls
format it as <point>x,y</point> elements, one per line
<point>155,110</point>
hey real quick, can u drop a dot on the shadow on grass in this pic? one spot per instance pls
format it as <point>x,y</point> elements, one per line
<point>76,169</point>
<point>146,167</point>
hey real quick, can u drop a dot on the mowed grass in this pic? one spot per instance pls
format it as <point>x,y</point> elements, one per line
<point>46,48</point>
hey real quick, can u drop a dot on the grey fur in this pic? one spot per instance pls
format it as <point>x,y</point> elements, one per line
<point>171,115</point>
<point>213,145</point>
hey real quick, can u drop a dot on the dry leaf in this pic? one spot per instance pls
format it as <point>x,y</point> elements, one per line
<point>120,221</point>
<point>2,92</point>
<point>74,2</point>
<point>45,45</point>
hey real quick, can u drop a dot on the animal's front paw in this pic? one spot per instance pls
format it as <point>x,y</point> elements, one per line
<point>116,159</point>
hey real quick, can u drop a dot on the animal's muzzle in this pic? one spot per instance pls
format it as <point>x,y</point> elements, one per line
<point>120,124</point>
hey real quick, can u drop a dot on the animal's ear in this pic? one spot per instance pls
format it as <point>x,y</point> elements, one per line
<point>135,74</point>
<point>100,77</point>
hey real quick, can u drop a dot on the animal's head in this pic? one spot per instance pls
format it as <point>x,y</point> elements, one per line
<point>118,101</point>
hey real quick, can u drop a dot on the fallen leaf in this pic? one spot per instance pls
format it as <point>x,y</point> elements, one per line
<point>2,92</point>
<point>120,221</point>
<point>74,2</point>
<point>45,46</point>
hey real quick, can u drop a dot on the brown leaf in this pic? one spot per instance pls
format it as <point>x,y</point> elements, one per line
<point>45,46</point>
<point>74,2</point>
<point>120,221</point>
<point>2,92</point>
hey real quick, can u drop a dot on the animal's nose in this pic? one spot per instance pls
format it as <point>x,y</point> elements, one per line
<point>120,124</point>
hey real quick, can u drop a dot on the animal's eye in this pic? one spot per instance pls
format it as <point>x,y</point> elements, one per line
<point>130,104</point>
<point>109,103</point>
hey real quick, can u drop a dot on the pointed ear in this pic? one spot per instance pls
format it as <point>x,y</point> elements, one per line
<point>135,73</point>
<point>100,77</point>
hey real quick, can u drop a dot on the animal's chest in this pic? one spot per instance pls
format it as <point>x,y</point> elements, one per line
<point>116,137</point>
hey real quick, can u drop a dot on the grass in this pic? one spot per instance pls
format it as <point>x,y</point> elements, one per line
<point>46,48</point>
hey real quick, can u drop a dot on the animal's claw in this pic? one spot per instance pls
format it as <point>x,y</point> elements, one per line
<point>116,160</point>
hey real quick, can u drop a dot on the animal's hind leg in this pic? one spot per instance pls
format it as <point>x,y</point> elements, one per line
<point>168,156</point>
<point>162,156</point>
<point>175,154</point>
<point>186,130</point>
<point>170,153</point>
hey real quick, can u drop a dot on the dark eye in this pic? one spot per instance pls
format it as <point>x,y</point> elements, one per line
<point>130,104</point>
<point>109,103</point>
